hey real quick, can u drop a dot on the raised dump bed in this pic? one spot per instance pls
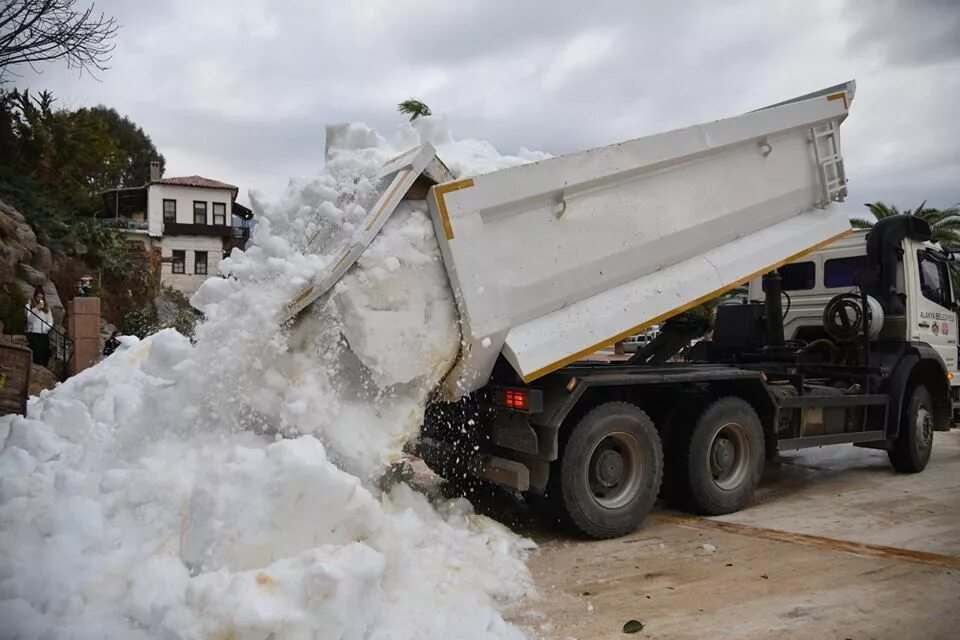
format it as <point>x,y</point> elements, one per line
<point>553,260</point>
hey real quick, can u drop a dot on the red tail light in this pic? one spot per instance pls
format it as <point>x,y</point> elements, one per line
<point>516,399</point>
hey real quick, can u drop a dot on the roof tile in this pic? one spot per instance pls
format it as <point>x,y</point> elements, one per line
<point>196,181</point>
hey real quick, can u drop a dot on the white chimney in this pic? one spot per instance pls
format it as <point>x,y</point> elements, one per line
<point>154,170</point>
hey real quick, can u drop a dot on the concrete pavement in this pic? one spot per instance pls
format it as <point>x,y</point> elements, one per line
<point>835,545</point>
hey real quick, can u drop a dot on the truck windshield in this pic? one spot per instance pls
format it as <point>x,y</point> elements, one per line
<point>934,279</point>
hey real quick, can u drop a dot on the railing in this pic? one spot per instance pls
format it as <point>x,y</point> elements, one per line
<point>187,229</point>
<point>125,223</point>
<point>61,347</point>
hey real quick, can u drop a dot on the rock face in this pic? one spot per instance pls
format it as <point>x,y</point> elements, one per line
<point>24,263</point>
<point>41,378</point>
<point>42,260</point>
<point>166,311</point>
<point>31,275</point>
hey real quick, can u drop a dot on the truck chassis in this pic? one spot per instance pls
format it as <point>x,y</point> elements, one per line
<point>602,441</point>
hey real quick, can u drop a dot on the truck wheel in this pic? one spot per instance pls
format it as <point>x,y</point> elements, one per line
<point>724,457</point>
<point>672,433</point>
<point>911,450</point>
<point>610,470</point>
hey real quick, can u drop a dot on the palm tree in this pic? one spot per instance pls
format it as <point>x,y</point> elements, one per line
<point>944,223</point>
<point>414,108</point>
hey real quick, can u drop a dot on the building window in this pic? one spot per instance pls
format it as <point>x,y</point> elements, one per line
<point>199,212</point>
<point>200,262</point>
<point>179,262</point>
<point>169,211</point>
<point>219,213</point>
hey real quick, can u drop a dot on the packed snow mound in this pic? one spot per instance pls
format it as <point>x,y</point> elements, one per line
<point>227,488</point>
<point>115,526</point>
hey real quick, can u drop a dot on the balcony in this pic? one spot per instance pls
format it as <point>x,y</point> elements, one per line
<point>238,239</point>
<point>125,224</point>
<point>182,229</point>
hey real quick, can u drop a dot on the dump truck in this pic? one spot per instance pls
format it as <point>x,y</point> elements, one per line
<point>552,261</point>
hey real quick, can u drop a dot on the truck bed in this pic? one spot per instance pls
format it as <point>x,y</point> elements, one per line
<point>557,259</point>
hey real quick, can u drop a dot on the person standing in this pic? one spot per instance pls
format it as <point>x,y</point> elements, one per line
<point>39,323</point>
<point>111,344</point>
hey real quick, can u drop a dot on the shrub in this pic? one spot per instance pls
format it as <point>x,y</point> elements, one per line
<point>12,314</point>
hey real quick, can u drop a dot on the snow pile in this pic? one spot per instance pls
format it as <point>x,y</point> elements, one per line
<point>355,370</point>
<point>227,488</point>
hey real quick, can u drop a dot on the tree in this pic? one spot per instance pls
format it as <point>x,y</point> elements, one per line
<point>55,163</point>
<point>70,149</point>
<point>135,149</point>
<point>42,30</point>
<point>944,223</point>
<point>414,108</point>
<point>8,139</point>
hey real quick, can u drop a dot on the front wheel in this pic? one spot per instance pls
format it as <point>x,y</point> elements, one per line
<point>911,450</point>
<point>610,470</point>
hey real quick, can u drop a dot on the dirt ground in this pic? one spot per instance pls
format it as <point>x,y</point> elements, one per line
<point>836,545</point>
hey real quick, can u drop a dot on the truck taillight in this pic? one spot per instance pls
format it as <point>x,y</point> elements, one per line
<point>516,399</point>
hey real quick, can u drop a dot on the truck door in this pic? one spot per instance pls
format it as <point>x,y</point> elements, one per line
<point>934,320</point>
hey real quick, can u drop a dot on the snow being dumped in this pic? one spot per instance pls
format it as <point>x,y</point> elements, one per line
<point>229,488</point>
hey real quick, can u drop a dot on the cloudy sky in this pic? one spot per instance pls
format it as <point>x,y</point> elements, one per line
<point>240,90</point>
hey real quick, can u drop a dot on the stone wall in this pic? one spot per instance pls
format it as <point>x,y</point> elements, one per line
<point>40,377</point>
<point>24,263</point>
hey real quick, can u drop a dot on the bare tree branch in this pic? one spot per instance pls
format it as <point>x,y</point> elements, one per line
<point>43,30</point>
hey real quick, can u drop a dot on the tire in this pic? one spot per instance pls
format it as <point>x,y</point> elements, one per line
<point>911,450</point>
<point>674,434</point>
<point>724,458</point>
<point>610,471</point>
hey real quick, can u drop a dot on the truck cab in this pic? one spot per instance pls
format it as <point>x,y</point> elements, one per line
<point>927,309</point>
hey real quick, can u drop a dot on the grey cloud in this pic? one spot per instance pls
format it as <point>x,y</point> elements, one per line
<point>907,31</point>
<point>246,88</point>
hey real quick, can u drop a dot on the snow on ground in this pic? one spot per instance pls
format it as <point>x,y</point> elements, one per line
<point>227,489</point>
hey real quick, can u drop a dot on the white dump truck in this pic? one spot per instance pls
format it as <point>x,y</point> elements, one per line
<point>552,261</point>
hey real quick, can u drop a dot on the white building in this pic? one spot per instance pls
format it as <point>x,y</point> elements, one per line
<point>192,221</point>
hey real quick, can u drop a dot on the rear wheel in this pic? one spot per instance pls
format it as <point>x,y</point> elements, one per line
<point>724,457</point>
<point>610,471</point>
<point>911,450</point>
<point>674,433</point>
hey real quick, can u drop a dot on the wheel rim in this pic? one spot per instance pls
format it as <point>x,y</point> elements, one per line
<point>924,428</point>
<point>729,459</point>
<point>615,471</point>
